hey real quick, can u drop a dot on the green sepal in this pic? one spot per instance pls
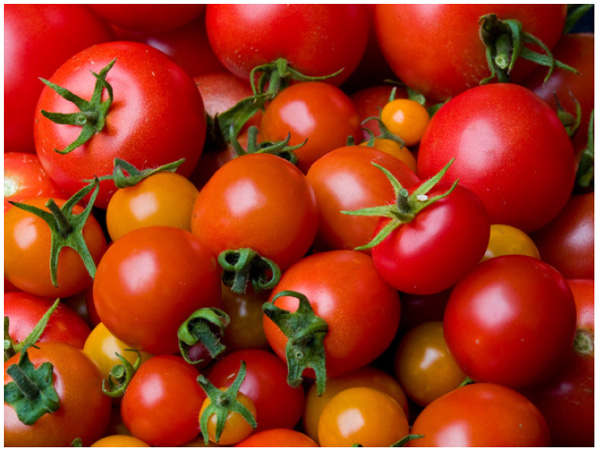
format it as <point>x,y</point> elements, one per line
<point>9,345</point>
<point>120,375</point>
<point>77,442</point>
<point>465,382</point>
<point>126,175</point>
<point>278,148</point>
<point>232,121</point>
<point>585,171</point>
<point>306,334</point>
<point>245,266</point>
<point>384,131</point>
<point>406,439</point>
<point>205,326</point>
<point>222,403</point>
<point>31,393</point>
<point>574,13</point>
<point>92,115</point>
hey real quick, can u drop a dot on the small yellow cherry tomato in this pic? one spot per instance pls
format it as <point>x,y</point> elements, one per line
<point>505,240</point>
<point>120,441</point>
<point>236,428</point>
<point>405,118</point>
<point>394,148</point>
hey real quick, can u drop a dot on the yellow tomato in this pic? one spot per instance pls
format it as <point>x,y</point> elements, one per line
<point>119,441</point>
<point>505,240</point>
<point>236,427</point>
<point>394,148</point>
<point>406,118</point>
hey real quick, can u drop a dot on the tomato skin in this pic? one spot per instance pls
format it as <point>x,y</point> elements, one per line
<point>257,201</point>
<point>505,239</point>
<point>496,330</point>
<point>317,40</point>
<point>162,402</point>
<point>120,441</point>
<point>345,179</point>
<point>277,437</point>
<point>144,126</point>
<point>84,410</point>
<point>313,111</point>
<point>481,415</point>
<point>521,189</point>
<point>337,284</point>
<point>278,405</point>
<point>417,39</point>
<point>567,242</point>
<point>27,253</point>
<point>25,311</point>
<point>245,313</point>
<point>143,269</point>
<point>369,101</point>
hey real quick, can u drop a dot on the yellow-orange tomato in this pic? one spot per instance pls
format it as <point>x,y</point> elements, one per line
<point>423,365</point>
<point>163,199</point>
<point>405,118</point>
<point>368,377</point>
<point>395,149</point>
<point>119,441</point>
<point>236,428</point>
<point>362,416</point>
<point>505,239</point>
<point>245,329</point>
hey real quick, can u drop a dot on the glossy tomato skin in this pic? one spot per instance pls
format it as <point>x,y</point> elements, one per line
<point>27,253</point>
<point>162,402</point>
<point>515,156</point>
<point>119,441</point>
<point>157,116</point>
<point>245,313</point>
<point>439,246</point>
<point>257,201</point>
<point>150,281</point>
<point>25,311</point>
<point>313,111</point>
<point>344,289</point>
<point>278,437</point>
<point>38,39</point>
<point>84,410</point>
<point>567,242</point>
<point>505,239</point>
<point>418,39</point>
<point>511,321</point>
<point>317,40</point>
<point>481,415</point>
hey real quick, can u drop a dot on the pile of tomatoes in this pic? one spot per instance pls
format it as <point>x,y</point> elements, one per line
<point>298,225</point>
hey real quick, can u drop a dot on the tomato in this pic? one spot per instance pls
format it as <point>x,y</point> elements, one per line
<point>367,377</point>
<point>567,242</point>
<point>119,441</point>
<point>424,366</point>
<point>257,201</point>
<point>370,101</point>
<point>142,270</point>
<point>317,40</point>
<point>25,311</point>
<point>245,313</point>
<point>163,199</point>
<point>362,416</point>
<point>337,285</point>
<point>236,427</point>
<point>505,239</point>
<point>314,111</point>
<point>498,330</point>
<point>27,253</point>
<point>481,415</point>
<point>162,402</point>
<point>395,149</point>
<point>405,118</point>
<point>277,437</point>
<point>345,179</point>
<point>149,18</point>
<point>486,133</point>
<point>38,38</point>
<point>84,410</point>
<point>25,178</point>
<point>144,125</point>
<point>278,405</point>
<point>436,49</point>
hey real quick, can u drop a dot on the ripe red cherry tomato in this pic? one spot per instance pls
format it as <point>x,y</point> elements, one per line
<point>278,437</point>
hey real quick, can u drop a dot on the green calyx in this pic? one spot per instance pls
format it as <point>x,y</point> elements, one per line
<point>384,134</point>
<point>126,175</point>
<point>583,344</point>
<point>245,266</point>
<point>222,403</point>
<point>505,42</point>
<point>120,375</point>
<point>570,123</point>
<point>66,227</point>
<point>406,207</point>
<point>585,171</point>
<point>205,326</point>
<point>92,114</point>
<point>305,332</point>
<point>415,96</point>
<point>278,148</point>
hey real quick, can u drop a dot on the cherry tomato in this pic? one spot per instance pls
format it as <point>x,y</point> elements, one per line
<point>277,437</point>
<point>395,149</point>
<point>362,416</point>
<point>236,428</point>
<point>84,410</point>
<point>370,101</point>
<point>150,281</point>
<point>120,441</point>
<point>505,239</point>
<point>162,402</point>
<point>245,313</point>
<point>481,415</point>
<point>496,330</point>
<point>405,118</point>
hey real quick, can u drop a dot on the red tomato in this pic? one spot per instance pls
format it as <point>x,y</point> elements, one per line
<point>162,402</point>
<point>278,405</point>
<point>567,242</point>
<point>84,410</point>
<point>156,117</point>
<point>278,437</point>
<point>481,415</point>
<point>511,321</point>
<point>38,39</point>
<point>150,281</point>
<point>487,134</point>
<point>317,40</point>
<point>436,49</point>
<point>25,311</point>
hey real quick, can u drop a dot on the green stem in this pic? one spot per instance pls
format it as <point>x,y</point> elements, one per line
<point>120,375</point>
<point>244,266</point>
<point>206,326</point>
